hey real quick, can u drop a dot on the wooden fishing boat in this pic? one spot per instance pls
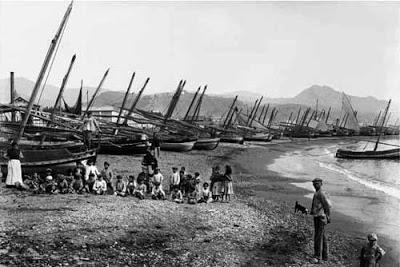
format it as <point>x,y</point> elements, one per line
<point>126,148</point>
<point>258,137</point>
<point>228,138</point>
<point>34,145</point>
<point>60,159</point>
<point>206,143</point>
<point>177,146</point>
<point>379,154</point>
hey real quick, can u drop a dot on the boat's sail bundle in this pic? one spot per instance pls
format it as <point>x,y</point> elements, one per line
<point>351,122</point>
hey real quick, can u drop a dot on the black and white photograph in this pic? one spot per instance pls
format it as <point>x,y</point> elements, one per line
<point>199,133</point>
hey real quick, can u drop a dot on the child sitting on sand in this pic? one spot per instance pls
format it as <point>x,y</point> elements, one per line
<point>32,182</point>
<point>227,184</point>
<point>130,187</point>
<point>89,183</point>
<point>157,192</point>
<point>100,186</point>
<point>77,184</point>
<point>205,195</point>
<point>62,183</point>
<point>371,253</point>
<point>50,186</point>
<point>140,190</point>
<point>191,189</point>
<point>120,187</point>
<point>177,196</point>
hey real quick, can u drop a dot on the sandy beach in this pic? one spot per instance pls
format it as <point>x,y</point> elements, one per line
<point>257,228</point>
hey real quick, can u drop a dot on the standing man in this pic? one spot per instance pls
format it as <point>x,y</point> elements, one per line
<point>90,128</point>
<point>320,209</point>
<point>155,145</point>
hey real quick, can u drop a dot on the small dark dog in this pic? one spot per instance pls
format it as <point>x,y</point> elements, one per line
<point>301,208</point>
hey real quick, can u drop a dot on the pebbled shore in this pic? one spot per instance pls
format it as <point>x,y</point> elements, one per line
<point>257,228</point>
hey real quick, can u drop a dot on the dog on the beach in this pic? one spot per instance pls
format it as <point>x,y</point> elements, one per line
<point>300,208</point>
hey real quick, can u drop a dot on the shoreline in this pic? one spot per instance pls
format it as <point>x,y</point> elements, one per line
<point>284,189</point>
<point>257,228</point>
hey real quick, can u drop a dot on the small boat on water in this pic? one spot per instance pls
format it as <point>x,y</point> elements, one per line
<point>393,153</point>
<point>379,154</point>
<point>206,143</point>
<point>38,161</point>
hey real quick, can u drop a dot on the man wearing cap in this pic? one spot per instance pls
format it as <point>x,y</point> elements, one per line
<point>89,127</point>
<point>371,253</point>
<point>320,209</point>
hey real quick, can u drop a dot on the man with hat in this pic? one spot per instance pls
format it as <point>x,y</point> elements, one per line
<point>371,253</point>
<point>320,209</point>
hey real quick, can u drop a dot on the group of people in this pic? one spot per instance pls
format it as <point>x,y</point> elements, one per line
<point>86,178</point>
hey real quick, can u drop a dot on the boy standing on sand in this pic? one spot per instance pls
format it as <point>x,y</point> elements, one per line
<point>174,179</point>
<point>320,209</point>
<point>371,253</point>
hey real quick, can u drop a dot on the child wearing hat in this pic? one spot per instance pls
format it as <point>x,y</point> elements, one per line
<point>50,186</point>
<point>371,253</point>
<point>120,187</point>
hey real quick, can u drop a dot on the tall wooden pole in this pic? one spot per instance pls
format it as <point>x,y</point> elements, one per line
<point>191,103</point>
<point>42,72</point>
<point>230,110</point>
<point>125,98</point>
<point>135,102</point>
<point>252,112</point>
<point>197,110</point>
<point>255,112</point>
<point>261,113</point>
<point>298,116</point>
<point>265,114</point>
<point>63,84</point>
<point>327,116</point>
<point>377,118</point>
<point>12,94</point>
<point>95,94</point>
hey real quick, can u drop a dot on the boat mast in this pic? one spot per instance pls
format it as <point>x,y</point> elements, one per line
<point>383,122</point>
<point>261,113</point>
<point>198,106</point>
<point>230,110</point>
<point>255,112</point>
<point>327,116</point>
<point>377,118</point>
<point>298,116</point>
<point>95,94</point>
<point>63,84</point>
<point>12,95</point>
<point>42,72</point>
<point>125,98</point>
<point>265,114</point>
<point>135,102</point>
<point>191,103</point>
<point>251,113</point>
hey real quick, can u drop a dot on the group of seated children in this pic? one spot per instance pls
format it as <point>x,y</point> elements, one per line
<point>87,179</point>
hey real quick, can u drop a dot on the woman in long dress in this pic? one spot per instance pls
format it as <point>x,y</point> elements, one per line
<point>14,172</point>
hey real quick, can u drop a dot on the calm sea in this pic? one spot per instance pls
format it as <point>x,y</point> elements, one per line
<point>366,190</point>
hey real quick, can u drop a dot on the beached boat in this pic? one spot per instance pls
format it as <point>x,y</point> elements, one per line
<point>60,159</point>
<point>177,146</point>
<point>123,148</point>
<point>206,143</point>
<point>258,137</point>
<point>232,139</point>
<point>379,154</point>
<point>34,145</point>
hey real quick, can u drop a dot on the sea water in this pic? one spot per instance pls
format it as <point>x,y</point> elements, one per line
<point>366,190</point>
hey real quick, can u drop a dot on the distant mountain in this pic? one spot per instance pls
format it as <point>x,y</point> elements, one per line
<point>24,88</point>
<point>214,105</point>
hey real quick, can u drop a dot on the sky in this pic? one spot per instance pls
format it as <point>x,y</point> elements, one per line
<point>273,48</point>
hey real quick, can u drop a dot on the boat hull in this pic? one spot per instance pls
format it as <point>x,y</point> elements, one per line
<point>232,139</point>
<point>135,148</point>
<point>382,154</point>
<point>177,146</point>
<point>206,144</point>
<point>259,138</point>
<point>59,160</point>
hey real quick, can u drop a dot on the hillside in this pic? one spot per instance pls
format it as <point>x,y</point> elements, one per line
<point>213,105</point>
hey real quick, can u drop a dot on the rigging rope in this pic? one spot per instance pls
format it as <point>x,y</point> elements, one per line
<point>52,60</point>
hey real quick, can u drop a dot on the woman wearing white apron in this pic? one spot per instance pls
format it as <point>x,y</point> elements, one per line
<point>14,173</point>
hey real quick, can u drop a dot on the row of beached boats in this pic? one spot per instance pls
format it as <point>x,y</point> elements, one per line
<point>53,138</point>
